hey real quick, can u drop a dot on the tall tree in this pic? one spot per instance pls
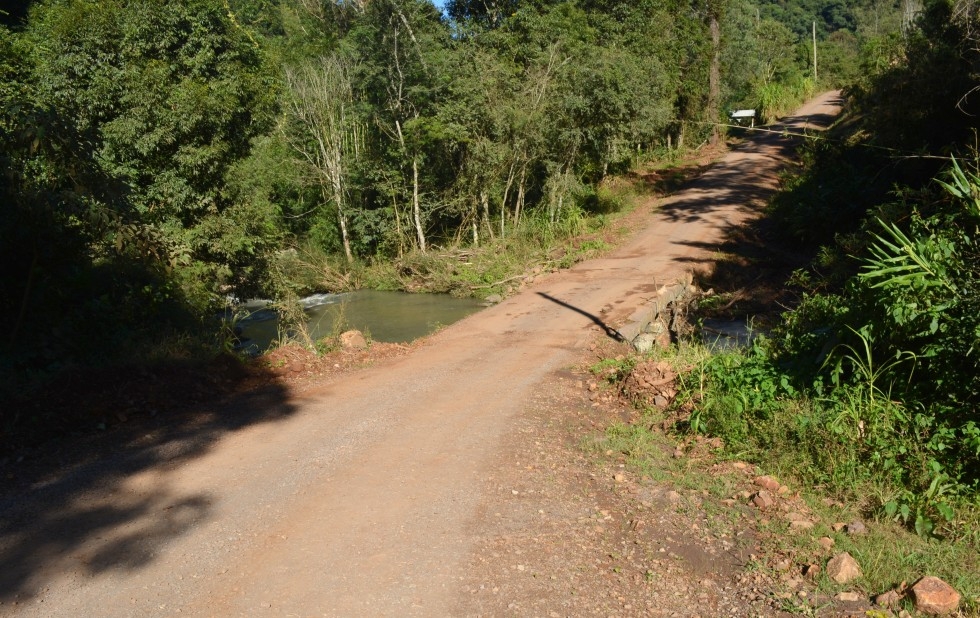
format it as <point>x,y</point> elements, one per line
<point>714,13</point>
<point>323,129</point>
<point>405,70</point>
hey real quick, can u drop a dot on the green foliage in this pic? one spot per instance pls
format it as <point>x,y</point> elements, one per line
<point>812,450</point>
<point>165,154</point>
<point>120,122</point>
<point>745,392</point>
<point>891,362</point>
<point>883,348</point>
<point>887,371</point>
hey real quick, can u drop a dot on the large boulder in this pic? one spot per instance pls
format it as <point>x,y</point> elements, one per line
<point>353,340</point>
<point>935,597</point>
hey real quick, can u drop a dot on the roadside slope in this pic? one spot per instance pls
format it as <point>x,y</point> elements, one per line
<point>369,497</point>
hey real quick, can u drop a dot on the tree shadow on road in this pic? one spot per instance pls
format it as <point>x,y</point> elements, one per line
<point>741,181</point>
<point>65,508</point>
<point>749,267</point>
<point>748,272</point>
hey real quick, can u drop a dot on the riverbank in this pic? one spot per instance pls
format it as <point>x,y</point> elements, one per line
<point>58,404</point>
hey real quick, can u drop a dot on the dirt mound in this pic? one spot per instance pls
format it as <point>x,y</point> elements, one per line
<point>651,383</point>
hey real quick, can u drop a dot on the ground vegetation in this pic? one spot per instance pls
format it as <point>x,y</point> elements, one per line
<point>867,388</point>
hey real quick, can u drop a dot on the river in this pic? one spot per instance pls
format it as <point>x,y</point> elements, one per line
<point>393,317</point>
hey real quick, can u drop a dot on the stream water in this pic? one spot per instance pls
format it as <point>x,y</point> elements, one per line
<point>728,334</point>
<point>393,317</point>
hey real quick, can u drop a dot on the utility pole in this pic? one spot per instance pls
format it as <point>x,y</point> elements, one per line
<point>814,53</point>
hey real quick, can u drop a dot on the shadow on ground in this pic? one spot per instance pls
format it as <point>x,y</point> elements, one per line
<point>63,507</point>
<point>748,273</point>
<point>748,269</point>
<point>611,332</point>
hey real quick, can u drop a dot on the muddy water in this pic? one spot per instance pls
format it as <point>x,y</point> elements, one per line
<point>393,317</point>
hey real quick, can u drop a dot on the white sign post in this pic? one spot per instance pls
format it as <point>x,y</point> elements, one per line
<point>741,115</point>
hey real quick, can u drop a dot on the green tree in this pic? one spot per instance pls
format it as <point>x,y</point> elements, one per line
<point>120,122</point>
<point>405,71</point>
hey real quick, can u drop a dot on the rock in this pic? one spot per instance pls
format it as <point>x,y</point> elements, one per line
<point>619,477</point>
<point>888,599</point>
<point>849,597</point>
<point>856,527</point>
<point>678,453</point>
<point>826,542</point>
<point>810,571</point>
<point>800,524</point>
<point>644,342</point>
<point>651,382</point>
<point>766,482</point>
<point>783,565</point>
<point>843,568</point>
<point>493,299</point>
<point>763,499</point>
<point>935,597</point>
<point>837,527</point>
<point>673,496</point>
<point>353,340</point>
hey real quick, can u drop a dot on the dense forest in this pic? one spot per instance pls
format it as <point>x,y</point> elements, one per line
<point>160,159</point>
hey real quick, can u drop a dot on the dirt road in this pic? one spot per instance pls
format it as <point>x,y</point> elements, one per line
<point>371,495</point>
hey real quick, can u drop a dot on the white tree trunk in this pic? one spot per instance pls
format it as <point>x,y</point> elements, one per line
<point>519,206</point>
<point>503,199</point>
<point>323,132</point>
<point>342,222</point>
<point>485,203</point>
<point>416,208</point>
